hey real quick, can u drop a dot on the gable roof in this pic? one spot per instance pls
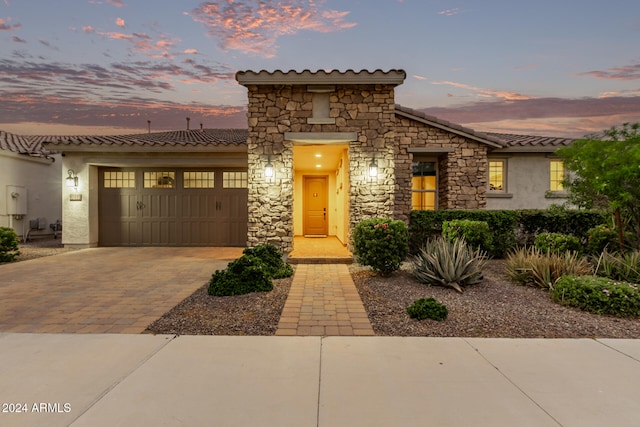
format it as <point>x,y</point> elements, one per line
<point>466,132</point>
<point>196,140</point>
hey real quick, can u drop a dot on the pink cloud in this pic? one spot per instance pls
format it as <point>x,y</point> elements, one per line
<point>191,51</point>
<point>88,29</point>
<point>5,26</point>
<point>253,26</point>
<point>116,3</point>
<point>120,22</point>
<point>487,93</point>
<point>415,76</point>
<point>627,72</point>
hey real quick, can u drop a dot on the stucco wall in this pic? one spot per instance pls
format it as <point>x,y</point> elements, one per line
<point>41,178</point>
<point>527,183</point>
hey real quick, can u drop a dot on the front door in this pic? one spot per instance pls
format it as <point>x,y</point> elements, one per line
<point>315,206</point>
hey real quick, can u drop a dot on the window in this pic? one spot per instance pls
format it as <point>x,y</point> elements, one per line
<point>234,179</point>
<point>497,175</point>
<point>160,179</point>
<point>423,186</point>
<point>204,179</point>
<point>119,179</point>
<point>556,178</point>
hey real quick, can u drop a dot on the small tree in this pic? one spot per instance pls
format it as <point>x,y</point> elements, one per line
<point>606,174</point>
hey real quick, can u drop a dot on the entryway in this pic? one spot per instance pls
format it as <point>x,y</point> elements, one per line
<point>314,250</point>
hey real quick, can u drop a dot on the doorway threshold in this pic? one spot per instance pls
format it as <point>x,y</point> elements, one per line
<point>317,250</point>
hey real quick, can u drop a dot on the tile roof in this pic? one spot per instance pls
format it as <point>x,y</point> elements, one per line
<point>17,143</point>
<point>531,142</point>
<point>450,127</point>
<point>278,77</point>
<point>180,138</point>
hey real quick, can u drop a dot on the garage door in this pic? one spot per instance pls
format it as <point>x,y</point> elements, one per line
<point>173,207</point>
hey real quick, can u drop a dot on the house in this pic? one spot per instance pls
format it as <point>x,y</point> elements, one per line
<point>323,150</point>
<point>29,185</point>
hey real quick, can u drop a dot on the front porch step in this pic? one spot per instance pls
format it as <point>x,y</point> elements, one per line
<point>320,260</point>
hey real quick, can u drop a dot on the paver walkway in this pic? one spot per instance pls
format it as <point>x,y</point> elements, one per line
<point>323,301</point>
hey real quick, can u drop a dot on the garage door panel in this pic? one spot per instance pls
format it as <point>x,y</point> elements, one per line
<point>173,215</point>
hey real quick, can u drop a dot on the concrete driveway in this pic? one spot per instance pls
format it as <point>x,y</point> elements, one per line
<point>103,290</point>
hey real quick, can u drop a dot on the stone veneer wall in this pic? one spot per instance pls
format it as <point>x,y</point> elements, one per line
<point>367,110</point>
<point>462,174</point>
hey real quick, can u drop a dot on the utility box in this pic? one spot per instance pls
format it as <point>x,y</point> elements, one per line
<point>16,200</point>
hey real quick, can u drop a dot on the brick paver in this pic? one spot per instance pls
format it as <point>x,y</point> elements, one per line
<point>103,290</point>
<point>323,300</point>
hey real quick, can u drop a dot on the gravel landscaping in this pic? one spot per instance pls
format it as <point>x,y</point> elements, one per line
<point>494,308</point>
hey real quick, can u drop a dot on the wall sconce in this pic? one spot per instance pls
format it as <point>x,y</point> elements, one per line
<point>72,179</point>
<point>268,169</point>
<point>373,168</point>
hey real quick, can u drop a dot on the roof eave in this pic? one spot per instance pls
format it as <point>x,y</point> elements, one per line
<point>82,148</point>
<point>307,77</point>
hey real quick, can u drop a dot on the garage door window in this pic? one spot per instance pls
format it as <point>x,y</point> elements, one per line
<point>160,179</point>
<point>198,179</point>
<point>119,179</point>
<point>234,179</point>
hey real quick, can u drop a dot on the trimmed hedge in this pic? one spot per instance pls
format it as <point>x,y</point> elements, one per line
<point>424,225</point>
<point>509,228</point>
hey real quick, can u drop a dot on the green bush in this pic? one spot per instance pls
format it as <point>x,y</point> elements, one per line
<point>448,263</point>
<point>532,267</point>
<point>242,276</point>
<point>598,295</point>
<point>557,242</point>
<point>8,244</point>
<point>272,258</point>
<point>381,244</point>
<point>575,222</point>
<point>475,233</point>
<point>427,308</point>
<point>425,225</point>
<point>619,266</point>
<point>601,237</point>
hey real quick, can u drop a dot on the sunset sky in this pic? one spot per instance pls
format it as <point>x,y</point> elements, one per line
<point>545,67</point>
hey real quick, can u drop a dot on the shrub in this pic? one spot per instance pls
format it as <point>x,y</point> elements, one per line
<point>575,222</point>
<point>532,267</point>
<point>476,233</point>
<point>600,237</point>
<point>242,276</point>
<point>557,242</point>
<point>381,244</point>
<point>598,295</point>
<point>425,225</point>
<point>427,308</point>
<point>449,263</point>
<point>272,258</point>
<point>624,267</point>
<point>8,244</point>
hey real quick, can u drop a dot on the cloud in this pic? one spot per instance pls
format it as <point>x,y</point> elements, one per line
<point>5,26</point>
<point>543,116</point>
<point>254,26</point>
<point>17,39</point>
<point>88,29</point>
<point>450,12</point>
<point>191,51</point>
<point>116,3</point>
<point>415,76</point>
<point>140,42</point>
<point>627,72</point>
<point>47,44</point>
<point>120,22</point>
<point>486,93</point>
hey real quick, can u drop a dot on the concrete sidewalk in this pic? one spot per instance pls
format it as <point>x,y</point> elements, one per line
<point>134,380</point>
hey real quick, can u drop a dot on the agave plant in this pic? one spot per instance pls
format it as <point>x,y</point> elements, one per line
<point>449,263</point>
